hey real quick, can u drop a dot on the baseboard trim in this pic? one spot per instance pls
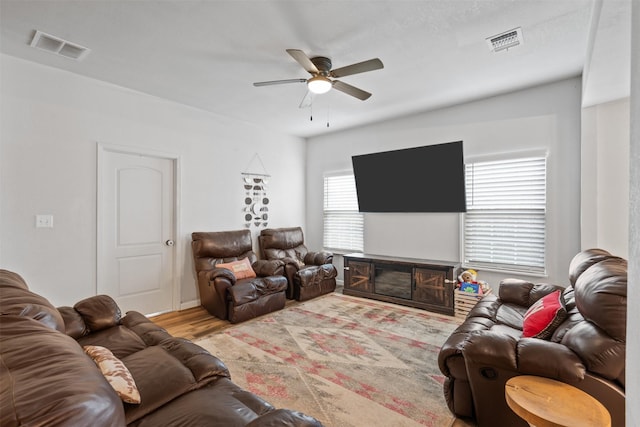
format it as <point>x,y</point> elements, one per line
<point>189,304</point>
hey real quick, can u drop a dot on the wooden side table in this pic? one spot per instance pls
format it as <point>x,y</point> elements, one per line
<point>544,402</point>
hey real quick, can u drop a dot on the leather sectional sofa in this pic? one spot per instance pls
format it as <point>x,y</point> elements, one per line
<point>586,349</point>
<point>47,379</point>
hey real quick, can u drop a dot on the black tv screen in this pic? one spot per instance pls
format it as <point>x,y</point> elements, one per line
<point>421,179</point>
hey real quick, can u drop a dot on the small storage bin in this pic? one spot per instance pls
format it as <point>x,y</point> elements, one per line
<point>465,301</point>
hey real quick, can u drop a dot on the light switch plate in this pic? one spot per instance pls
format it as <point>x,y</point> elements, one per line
<point>44,221</point>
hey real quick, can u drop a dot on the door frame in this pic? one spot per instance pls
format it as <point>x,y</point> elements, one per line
<point>103,148</point>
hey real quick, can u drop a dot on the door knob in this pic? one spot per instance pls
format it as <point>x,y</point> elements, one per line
<point>169,242</point>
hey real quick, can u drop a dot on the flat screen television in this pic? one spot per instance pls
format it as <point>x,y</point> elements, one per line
<point>420,179</point>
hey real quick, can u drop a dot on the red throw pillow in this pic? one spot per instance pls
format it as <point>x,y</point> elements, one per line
<point>240,268</point>
<point>544,316</point>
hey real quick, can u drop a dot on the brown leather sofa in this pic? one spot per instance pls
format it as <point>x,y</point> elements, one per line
<point>47,380</point>
<point>221,293</point>
<point>309,273</point>
<point>586,350</point>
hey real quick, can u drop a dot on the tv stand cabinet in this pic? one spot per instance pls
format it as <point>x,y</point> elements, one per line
<point>412,282</point>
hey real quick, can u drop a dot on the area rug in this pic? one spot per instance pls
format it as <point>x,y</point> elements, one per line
<point>347,361</point>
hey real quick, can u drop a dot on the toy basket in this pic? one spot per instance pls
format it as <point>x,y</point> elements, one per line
<point>465,301</point>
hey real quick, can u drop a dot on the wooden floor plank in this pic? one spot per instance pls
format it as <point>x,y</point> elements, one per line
<point>194,323</point>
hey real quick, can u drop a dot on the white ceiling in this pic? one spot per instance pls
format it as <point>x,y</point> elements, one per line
<point>207,54</point>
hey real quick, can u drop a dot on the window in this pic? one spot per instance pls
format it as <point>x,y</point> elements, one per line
<point>505,222</point>
<point>343,224</point>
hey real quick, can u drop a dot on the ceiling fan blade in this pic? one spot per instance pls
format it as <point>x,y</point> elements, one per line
<point>307,100</point>
<point>360,67</point>
<point>279,82</point>
<point>303,60</point>
<point>351,90</point>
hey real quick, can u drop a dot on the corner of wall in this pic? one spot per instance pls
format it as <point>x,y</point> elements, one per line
<point>588,180</point>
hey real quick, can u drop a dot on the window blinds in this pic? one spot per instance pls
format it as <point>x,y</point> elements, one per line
<point>505,222</point>
<point>343,224</point>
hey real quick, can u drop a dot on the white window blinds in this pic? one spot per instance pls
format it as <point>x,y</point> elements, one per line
<point>505,222</point>
<point>343,224</point>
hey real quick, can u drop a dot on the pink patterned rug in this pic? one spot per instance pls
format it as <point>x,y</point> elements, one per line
<point>349,362</point>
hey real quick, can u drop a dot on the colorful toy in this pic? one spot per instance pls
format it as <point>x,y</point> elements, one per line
<point>468,282</point>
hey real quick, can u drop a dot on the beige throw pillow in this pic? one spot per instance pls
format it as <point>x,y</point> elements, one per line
<point>115,372</point>
<point>241,268</point>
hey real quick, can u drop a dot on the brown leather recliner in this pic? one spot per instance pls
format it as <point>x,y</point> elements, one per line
<point>309,274</point>
<point>587,350</point>
<point>221,293</point>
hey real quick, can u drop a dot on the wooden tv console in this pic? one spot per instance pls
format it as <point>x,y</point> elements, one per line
<point>407,281</point>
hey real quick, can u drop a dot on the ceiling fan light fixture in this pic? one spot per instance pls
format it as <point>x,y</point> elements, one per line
<point>319,84</point>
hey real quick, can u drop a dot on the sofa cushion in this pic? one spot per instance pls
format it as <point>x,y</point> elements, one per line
<point>17,299</point>
<point>601,296</point>
<point>544,316</point>
<point>121,340</point>
<point>47,379</point>
<point>115,372</point>
<point>177,362</point>
<point>585,259</point>
<point>73,322</point>
<point>99,312</point>
<point>282,238</point>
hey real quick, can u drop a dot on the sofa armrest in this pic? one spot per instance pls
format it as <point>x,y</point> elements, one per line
<point>218,273</point>
<point>549,359</point>
<point>265,268</point>
<point>318,258</point>
<point>522,292</point>
<point>527,356</point>
<point>284,417</point>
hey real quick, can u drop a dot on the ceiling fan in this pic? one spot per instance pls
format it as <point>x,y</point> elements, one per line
<point>321,73</point>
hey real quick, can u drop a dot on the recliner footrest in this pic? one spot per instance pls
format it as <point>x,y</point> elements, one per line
<point>313,275</point>
<point>253,289</point>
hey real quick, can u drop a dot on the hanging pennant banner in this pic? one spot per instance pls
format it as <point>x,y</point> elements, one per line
<point>256,201</point>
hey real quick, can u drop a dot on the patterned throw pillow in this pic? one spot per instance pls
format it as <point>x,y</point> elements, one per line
<point>115,372</point>
<point>240,268</point>
<point>544,316</point>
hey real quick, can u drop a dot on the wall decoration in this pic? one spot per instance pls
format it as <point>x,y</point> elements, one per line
<point>255,210</point>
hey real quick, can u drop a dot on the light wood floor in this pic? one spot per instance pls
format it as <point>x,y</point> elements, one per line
<point>195,323</point>
<point>192,324</point>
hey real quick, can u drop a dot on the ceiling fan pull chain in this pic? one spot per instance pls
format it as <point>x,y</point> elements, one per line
<point>311,112</point>
<point>328,111</point>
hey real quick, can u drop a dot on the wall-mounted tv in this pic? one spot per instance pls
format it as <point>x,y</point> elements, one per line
<point>421,179</point>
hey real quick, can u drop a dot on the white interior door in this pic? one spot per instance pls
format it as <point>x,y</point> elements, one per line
<point>136,204</point>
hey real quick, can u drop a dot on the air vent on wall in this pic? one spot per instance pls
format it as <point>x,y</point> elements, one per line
<point>505,40</point>
<point>59,46</point>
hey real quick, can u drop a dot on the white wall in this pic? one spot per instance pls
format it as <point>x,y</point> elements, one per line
<point>541,118</point>
<point>633,314</point>
<point>605,177</point>
<point>51,123</point>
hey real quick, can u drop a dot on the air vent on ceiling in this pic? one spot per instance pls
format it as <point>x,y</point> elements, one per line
<point>59,46</point>
<point>505,40</point>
